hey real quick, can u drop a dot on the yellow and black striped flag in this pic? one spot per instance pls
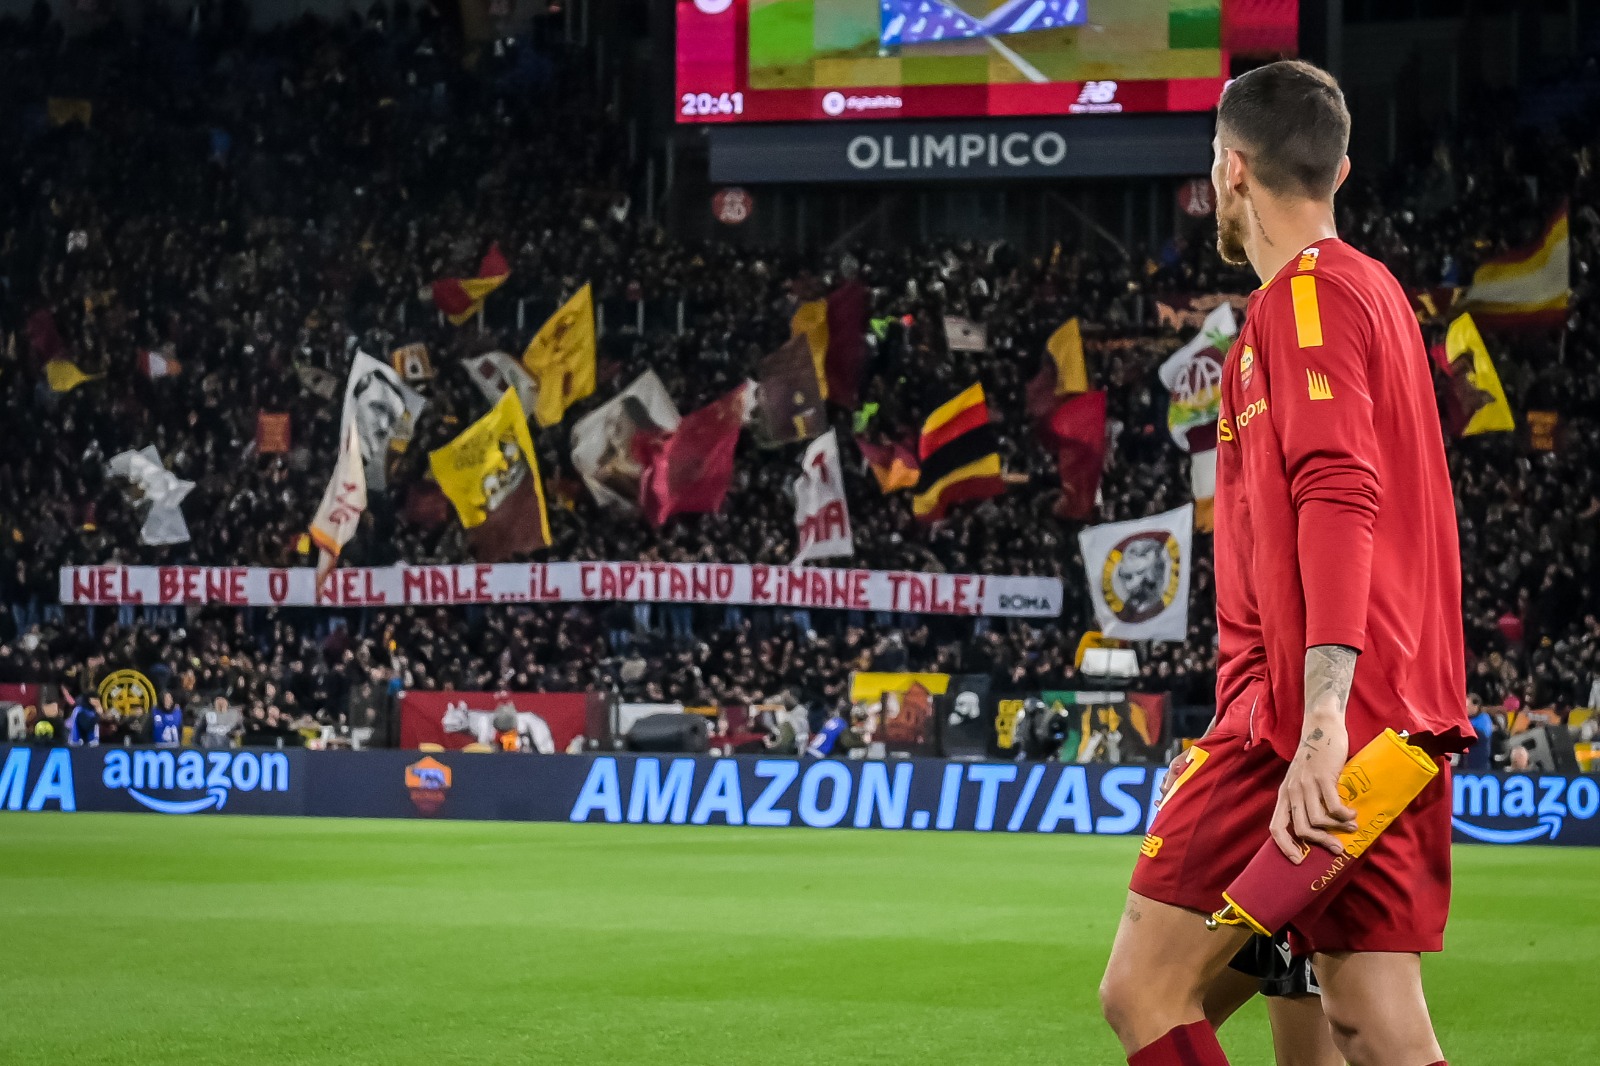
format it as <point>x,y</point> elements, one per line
<point>960,457</point>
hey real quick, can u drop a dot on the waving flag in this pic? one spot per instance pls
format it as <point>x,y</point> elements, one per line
<point>384,411</point>
<point>613,445</point>
<point>1063,372</point>
<point>821,516</point>
<point>894,465</point>
<point>343,502</point>
<point>960,457</point>
<point>1193,375</point>
<point>1529,286</point>
<point>788,395</point>
<point>495,372</point>
<point>461,298</point>
<point>561,357</point>
<point>1476,402</point>
<point>1077,432</point>
<point>491,474</point>
<point>1138,575</point>
<point>691,471</point>
<point>64,375</point>
<point>157,491</point>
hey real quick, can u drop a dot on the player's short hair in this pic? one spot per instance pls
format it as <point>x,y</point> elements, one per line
<point>1293,124</point>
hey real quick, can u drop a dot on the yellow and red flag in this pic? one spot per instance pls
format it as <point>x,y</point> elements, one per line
<point>1529,286</point>
<point>960,455</point>
<point>461,298</point>
<point>893,465</point>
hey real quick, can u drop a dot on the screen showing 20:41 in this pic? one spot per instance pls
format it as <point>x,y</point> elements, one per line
<point>825,60</point>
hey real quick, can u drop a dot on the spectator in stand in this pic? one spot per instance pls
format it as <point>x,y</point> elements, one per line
<point>166,722</point>
<point>83,724</point>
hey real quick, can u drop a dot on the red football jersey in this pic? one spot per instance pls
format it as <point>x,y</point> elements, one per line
<point>1335,521</point>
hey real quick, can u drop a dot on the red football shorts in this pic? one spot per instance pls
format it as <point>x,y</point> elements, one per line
<point>1217,814</point>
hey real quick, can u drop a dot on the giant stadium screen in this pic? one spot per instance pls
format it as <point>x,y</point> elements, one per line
<point>798,60</point>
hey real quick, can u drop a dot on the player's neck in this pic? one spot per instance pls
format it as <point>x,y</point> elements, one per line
<point>1280,229</point>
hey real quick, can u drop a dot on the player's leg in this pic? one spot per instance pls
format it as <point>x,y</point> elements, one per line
<point>1230,991</point>
<point>1300,1032</point>
<point>1301,1035</point>
<point>1367,942</point>
<point>1163,962</point>
<point>1375,1005</point>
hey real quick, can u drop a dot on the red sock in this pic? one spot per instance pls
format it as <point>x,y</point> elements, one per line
<point>1194,1044</point>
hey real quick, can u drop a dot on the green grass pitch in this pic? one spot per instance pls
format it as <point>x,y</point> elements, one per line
<point>135,940</point>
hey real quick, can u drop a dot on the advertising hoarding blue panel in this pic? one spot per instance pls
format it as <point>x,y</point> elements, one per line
<point>917,794</point>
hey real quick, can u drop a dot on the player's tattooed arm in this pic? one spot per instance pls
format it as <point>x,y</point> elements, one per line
<point>1330,670</point>
<point>1310,808</point>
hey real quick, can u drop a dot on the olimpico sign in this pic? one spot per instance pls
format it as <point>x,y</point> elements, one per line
<point>1017,150</point>
<point>1076,146</point>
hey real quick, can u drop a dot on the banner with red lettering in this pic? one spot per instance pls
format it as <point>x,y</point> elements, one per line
<point>821,516</point>
<point>576,582</point>
<point>455,719</point>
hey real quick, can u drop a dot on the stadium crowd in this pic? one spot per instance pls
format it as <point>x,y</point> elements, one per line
<point>257,204</point>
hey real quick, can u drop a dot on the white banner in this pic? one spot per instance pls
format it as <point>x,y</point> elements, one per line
<point>577,582</point>
<point>1139,575</point>
<point>821,516</point>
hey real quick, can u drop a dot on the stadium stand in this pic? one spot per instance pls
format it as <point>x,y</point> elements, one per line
<point>254,204</point>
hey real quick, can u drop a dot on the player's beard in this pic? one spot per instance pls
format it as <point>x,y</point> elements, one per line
<point>1230,231</point>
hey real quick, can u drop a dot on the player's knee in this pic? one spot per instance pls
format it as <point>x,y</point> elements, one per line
<point>1133,1003</point>
<point>1117,1001</point>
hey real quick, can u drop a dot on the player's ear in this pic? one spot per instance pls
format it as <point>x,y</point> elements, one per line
<point>1236,171</point>
<point>1344,172</point>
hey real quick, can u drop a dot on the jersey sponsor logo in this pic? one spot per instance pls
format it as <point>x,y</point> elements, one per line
<point>1307,315</point>
<point>1141,575</point>
<point>1247,366</point>
<point>1308,259</point>
<point>1248,415</point>
<point>1151,846</point>
<point>1224,431</point>
<point>143,773</point>
<point>1317,386</point>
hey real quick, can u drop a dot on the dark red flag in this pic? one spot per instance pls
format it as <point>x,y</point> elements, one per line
<point>1077,431</point>
<point>847,346</point>
<point>691,470</point>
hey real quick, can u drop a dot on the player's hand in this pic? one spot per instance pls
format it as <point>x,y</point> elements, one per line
<point>1175,769</point>
<point>1309,808</point>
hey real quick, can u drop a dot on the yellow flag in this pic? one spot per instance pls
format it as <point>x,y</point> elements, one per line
<point>1066,348</point>
<point>811,319</point>
<point>64,375</point>
<point>1490,412</point>
<point>561,358</point>
<point>491,475</point>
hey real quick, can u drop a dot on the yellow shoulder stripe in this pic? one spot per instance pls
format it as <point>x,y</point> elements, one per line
<point>1307,316</point>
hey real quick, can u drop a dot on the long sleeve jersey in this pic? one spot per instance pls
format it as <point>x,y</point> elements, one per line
<point>1335,521</point>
